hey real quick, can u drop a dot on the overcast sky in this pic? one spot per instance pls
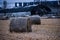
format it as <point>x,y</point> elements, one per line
<point>13,1</point>
<point>23,0</point>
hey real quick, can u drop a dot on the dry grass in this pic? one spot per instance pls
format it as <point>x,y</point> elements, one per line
<point>48,30</point>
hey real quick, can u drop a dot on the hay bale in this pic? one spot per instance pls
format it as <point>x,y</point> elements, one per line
<point>35,19</point>
<point>21,24</point>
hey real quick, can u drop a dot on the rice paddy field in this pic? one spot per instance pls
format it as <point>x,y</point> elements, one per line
<point>49,29</point>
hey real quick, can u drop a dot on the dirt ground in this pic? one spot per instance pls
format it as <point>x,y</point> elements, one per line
<point>48,30</point>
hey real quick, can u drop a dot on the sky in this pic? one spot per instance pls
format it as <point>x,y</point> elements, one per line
<point>23,0</point>
<point>13,1</point>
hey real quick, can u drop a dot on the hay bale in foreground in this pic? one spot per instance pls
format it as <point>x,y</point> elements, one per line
<point>21,24</point>
<point>35,19</point>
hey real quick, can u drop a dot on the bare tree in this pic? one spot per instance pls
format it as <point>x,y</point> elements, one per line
<point>4,4</point>
<point>58,8</point>
<point>58,2</point>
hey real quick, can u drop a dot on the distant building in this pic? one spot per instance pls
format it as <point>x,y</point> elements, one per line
<point>11,3</point>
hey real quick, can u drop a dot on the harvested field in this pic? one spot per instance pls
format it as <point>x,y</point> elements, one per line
<point>48,30</point>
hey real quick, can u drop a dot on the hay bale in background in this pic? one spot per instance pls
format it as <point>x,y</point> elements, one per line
<point>21,24</point>
<point>35,19</point>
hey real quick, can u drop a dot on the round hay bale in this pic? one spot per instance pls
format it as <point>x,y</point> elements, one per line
<point>21,24</point>
<point>35,19</point>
